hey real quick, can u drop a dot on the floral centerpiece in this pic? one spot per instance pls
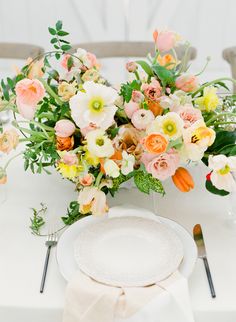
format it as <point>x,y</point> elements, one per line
<point>98,137</point>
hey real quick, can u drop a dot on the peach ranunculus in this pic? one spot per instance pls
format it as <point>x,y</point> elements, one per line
<point>152,91</point>
<point>168,61</point>
<point>164,165</point>
<point>187,83</point>
<point>68,158</point>
<point>142,118</point>
<point>87,179</point>
<point>35,68</point>
<point>155,143</point>
<point>165,40</point>
<point>189,114</point>
<point>29,92</point>
<point>65,144</point>
<point>128,139</point>
<point>64,128</point>
<point>8,140</point>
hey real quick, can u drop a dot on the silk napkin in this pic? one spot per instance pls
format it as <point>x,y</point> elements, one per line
<point>90,301</point>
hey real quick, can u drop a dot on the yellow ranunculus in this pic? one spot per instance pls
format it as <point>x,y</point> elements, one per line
<point>66,90</point>
<point>209,101</point>
<point>69,171</point>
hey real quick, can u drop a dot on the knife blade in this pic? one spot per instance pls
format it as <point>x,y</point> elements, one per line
<point>199,240</point>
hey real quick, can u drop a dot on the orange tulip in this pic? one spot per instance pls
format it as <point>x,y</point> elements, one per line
<point>155,143</point>
<point>183,180</point>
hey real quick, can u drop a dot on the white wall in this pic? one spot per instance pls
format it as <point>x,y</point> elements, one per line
<point>209,25</point>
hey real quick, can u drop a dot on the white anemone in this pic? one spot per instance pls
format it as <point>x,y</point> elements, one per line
<point>99,144</point>
<point>95,106</point>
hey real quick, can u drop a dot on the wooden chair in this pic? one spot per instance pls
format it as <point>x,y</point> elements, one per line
<point>17,51</point>
<point>117,49</point>
<point>229,54</point>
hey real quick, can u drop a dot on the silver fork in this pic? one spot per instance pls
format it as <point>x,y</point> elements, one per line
<point>50,242</point>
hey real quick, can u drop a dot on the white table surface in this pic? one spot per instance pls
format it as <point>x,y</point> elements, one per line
<point>22,254</point>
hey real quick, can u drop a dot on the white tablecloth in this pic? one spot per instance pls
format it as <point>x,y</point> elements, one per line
<point>22,254</point>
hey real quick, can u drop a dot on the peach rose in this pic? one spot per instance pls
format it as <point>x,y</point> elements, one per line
<point>187,83</point>
<point>35,68</point>
<point>69,158</point>
<point>155,143</point>
<point>64,128</point>
<point>8,140</point>
<point>86,180</point>
<point>65,144</point>
<point>153,90</point>
<point>28,93</point>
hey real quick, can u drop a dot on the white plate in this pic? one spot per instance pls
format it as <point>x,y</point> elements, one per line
<point>65,248</point>
<point>128,251</point>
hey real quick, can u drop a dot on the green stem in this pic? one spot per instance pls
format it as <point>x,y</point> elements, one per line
<point>222,123</point>
<point>40,125</point>
<point>219,115</point>
<point>136,75</point>
<point>184,61</point>
<point>24,130</point>
<point>204,68</point>
<point>50,91</point>
<point>98,179</point>
<point>212,83</point>
<point>9,161</point>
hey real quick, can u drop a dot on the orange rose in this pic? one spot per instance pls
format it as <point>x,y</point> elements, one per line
<point>65,143</point>
<point>168,61</point>
<point>155,107</point>
<point>155,143</point>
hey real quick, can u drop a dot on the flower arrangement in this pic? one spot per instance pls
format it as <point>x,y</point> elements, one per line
<point>99,137</point>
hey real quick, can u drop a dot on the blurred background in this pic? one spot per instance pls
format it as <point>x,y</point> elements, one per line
<point>209,25</point>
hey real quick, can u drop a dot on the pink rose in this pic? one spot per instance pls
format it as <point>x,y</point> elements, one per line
<point>87,129</point>
<point>64,61</point>
<point>28,93</point>
<point>86,180</point>
<point>164,165</point>
<point>64,128</point>
<point>189,114</point>
<point>8,140</point>
<point>137,96</point>
<point>153,90</point>
<point>142,118</point>
<point>165,40</point>
<point>187,83</point>
<point>92,60</point>
<point>69,158</point>
<point>130,108</point>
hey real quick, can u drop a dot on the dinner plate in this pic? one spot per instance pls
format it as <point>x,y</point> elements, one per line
<point>65,248</point>
<point>128,251</point>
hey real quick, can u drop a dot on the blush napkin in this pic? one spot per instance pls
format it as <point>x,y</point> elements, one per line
<point>90,301</point>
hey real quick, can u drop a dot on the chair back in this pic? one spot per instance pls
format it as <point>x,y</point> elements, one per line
<point>229,54</point>
<point>19,50</point>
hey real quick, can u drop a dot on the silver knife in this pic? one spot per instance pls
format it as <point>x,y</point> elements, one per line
<point>199,240</point>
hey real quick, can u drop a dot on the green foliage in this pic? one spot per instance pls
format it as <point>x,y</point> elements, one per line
<point>166,76</point>
<point>224,143</point>
<point>127,89</point>
<point>145,66</point>
<point>145,183</point>
<point>209,186</point>
<point>73,214</point>
<point>37,220</point>
<point>58,41</point>
<point>118,181</point>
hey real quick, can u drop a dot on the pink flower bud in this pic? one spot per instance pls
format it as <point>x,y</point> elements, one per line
<point>64,128</point>
<point>187,83</point>
<point>131,66</point>
<point>137,96</point>
<point>130,108</point>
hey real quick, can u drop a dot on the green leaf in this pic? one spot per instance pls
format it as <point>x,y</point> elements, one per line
<point>65,47</point>
<point>165,75</point>
<point>233,151</point>
<point>145,182</point>
<point>70,63</point>
<point>127,89</point>
<point>11,83</point>
<point>59,25</point>
<point>52,31</point>
<point>62,33</point>
<point>53,40</point>
<point>213,189</point>
<point>223,139</point>
<point>73,214</point>
<point>5,91</point>
<point>145,66</point>
<point>58,56</point>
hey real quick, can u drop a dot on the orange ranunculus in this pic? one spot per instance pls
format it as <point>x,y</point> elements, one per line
<point>155,107</point>
<point>116,156</point>
<point>183,180</point>
<point>155,143</point>
<point>168,61</point>
<point>65,144</point>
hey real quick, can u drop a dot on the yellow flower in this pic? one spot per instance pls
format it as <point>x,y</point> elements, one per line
<point>168,61</point>
<point>69,171</point>
<point>209,101</point>
<point>91,75</point>
<point>66,90</point>
<point>91,159</point>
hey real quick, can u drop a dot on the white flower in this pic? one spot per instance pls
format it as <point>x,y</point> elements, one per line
<point>142,118</point>
<point>173,101</point>
<point>91,199</point>
<point>94,106</point>
<point>99,144</point>
<point>196,138</point>
<point>170,125</point>
<point>127,163</point>
<point>111,169</point>
<point>222,175</point>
